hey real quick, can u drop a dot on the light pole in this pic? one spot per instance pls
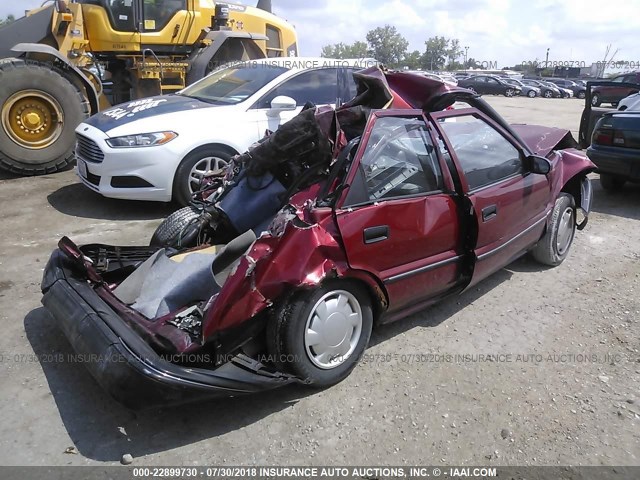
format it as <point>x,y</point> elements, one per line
<point>466,58</point>
<point>546,63</point>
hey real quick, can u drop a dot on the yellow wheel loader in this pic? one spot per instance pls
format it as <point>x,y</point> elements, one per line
<point>69,59</point>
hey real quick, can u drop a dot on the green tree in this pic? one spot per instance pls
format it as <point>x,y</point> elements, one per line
<point>413,61</point>
<point>387,46</point>
<point>454,51</point>
<point>341,50</point>
<point>436,53</point>
<point>7,21</point>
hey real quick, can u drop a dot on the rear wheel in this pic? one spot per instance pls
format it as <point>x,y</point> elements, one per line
<point>40,110</point>
<point>554,245</point>
<point>611,183</point>
<point>595,100</point>
<point>193,169</point>
<point>320,335</point>
<point>581,95</point>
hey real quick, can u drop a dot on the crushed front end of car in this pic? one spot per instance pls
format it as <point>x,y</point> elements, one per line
<point>187,320</point>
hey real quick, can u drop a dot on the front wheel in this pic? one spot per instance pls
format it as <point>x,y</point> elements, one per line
<point>581,95</point>
<point>193,169</point>
<point>548,94</point>
<point>595,100</point>
<point>554,245</point>
<point>40,110</point>
<point>320,335</point>
<point>509,92</point>
<point>177,229</point>
<point>531,94</point>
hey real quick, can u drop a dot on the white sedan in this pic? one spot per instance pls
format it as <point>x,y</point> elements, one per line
<point>632,102</point>
<point>159,148</point>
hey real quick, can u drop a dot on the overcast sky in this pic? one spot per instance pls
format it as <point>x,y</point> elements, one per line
<point>506,31</point>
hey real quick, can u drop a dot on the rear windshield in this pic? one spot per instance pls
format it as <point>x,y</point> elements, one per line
<point>231,85</point>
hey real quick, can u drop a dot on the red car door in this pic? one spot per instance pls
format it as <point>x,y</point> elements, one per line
<point>398,219</point>
<point>510,204</point>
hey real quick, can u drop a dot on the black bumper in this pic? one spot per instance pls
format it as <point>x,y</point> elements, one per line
<point>127,367</point>
<point>623,162</point>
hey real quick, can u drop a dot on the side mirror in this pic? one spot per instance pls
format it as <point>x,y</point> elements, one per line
<point>538,164</point>
<point>282,102</point>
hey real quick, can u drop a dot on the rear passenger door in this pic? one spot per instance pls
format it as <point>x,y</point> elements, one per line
<point>510,203</point>
<point>398,219</point>
<point>319,86</point>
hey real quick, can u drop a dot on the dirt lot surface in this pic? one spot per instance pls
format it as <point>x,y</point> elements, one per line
<point>563,386</point>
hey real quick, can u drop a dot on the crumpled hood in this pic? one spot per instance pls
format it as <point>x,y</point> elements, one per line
<point>137,110</point>
<point>542,140</point>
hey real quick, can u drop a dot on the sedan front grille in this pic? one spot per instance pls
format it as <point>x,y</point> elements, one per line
<point>88,150</point>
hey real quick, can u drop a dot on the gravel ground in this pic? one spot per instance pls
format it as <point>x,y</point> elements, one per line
<point>533,366</point>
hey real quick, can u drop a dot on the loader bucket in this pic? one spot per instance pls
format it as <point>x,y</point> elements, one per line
<point>32,29</point>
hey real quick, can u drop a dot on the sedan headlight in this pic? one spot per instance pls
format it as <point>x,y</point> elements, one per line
<point>142,140</point>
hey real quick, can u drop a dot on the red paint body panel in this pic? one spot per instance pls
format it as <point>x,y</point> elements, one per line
<point>422,231</point>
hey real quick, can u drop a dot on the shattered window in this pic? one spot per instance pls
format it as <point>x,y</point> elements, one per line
<point>400,160</point>
<point>484,154</point>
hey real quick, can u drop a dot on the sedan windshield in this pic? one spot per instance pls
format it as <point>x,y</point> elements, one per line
<point>232,85</point>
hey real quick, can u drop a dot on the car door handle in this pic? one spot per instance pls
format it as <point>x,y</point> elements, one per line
<point>376,234</point>
<point>489,212</point>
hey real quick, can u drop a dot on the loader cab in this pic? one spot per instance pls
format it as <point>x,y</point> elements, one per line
<point>139,15</point>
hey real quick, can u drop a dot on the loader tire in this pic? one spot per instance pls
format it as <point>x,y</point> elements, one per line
<point>40,109</point>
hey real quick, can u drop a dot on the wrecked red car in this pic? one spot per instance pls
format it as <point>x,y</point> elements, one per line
<point>409,201</point>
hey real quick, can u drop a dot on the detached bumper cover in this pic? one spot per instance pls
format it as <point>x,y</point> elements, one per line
<point>124,365</point>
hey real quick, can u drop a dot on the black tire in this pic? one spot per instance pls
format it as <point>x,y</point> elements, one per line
<point>18,76</point>
<point>286,334</point>
<point>581,95</point>
<point>170,230</point>
<point>611,183</point>
<point>181,189</point>
<point>531,94</point>
<point>509,92</point>
<point>595,100</point>
<point>547,251</point>
<point>547,94</point>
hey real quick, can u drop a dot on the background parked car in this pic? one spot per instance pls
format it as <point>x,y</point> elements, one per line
<point>613,94</point>
<point>159,148</point>
<point>557,91</point>
<point>615,148</point>
<point>632,102</point>
<point>488,84</point>
<point>545,90</point>
<point>528,90</point>
<point>579,91</point>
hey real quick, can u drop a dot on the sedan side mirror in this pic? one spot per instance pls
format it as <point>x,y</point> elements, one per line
<point>282,102</point>
<point>538,164</point>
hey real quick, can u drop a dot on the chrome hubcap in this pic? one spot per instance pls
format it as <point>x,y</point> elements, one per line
<point>333,329</point>
<point>565,231</point>
<point>201,168</point>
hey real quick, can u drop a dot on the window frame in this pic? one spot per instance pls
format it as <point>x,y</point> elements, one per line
<point>437,116</point>
<point>258,103</point>
<point>159,28</point>
<point>355,168</point>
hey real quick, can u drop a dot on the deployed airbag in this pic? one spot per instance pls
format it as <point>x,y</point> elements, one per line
<point>160,285</point>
